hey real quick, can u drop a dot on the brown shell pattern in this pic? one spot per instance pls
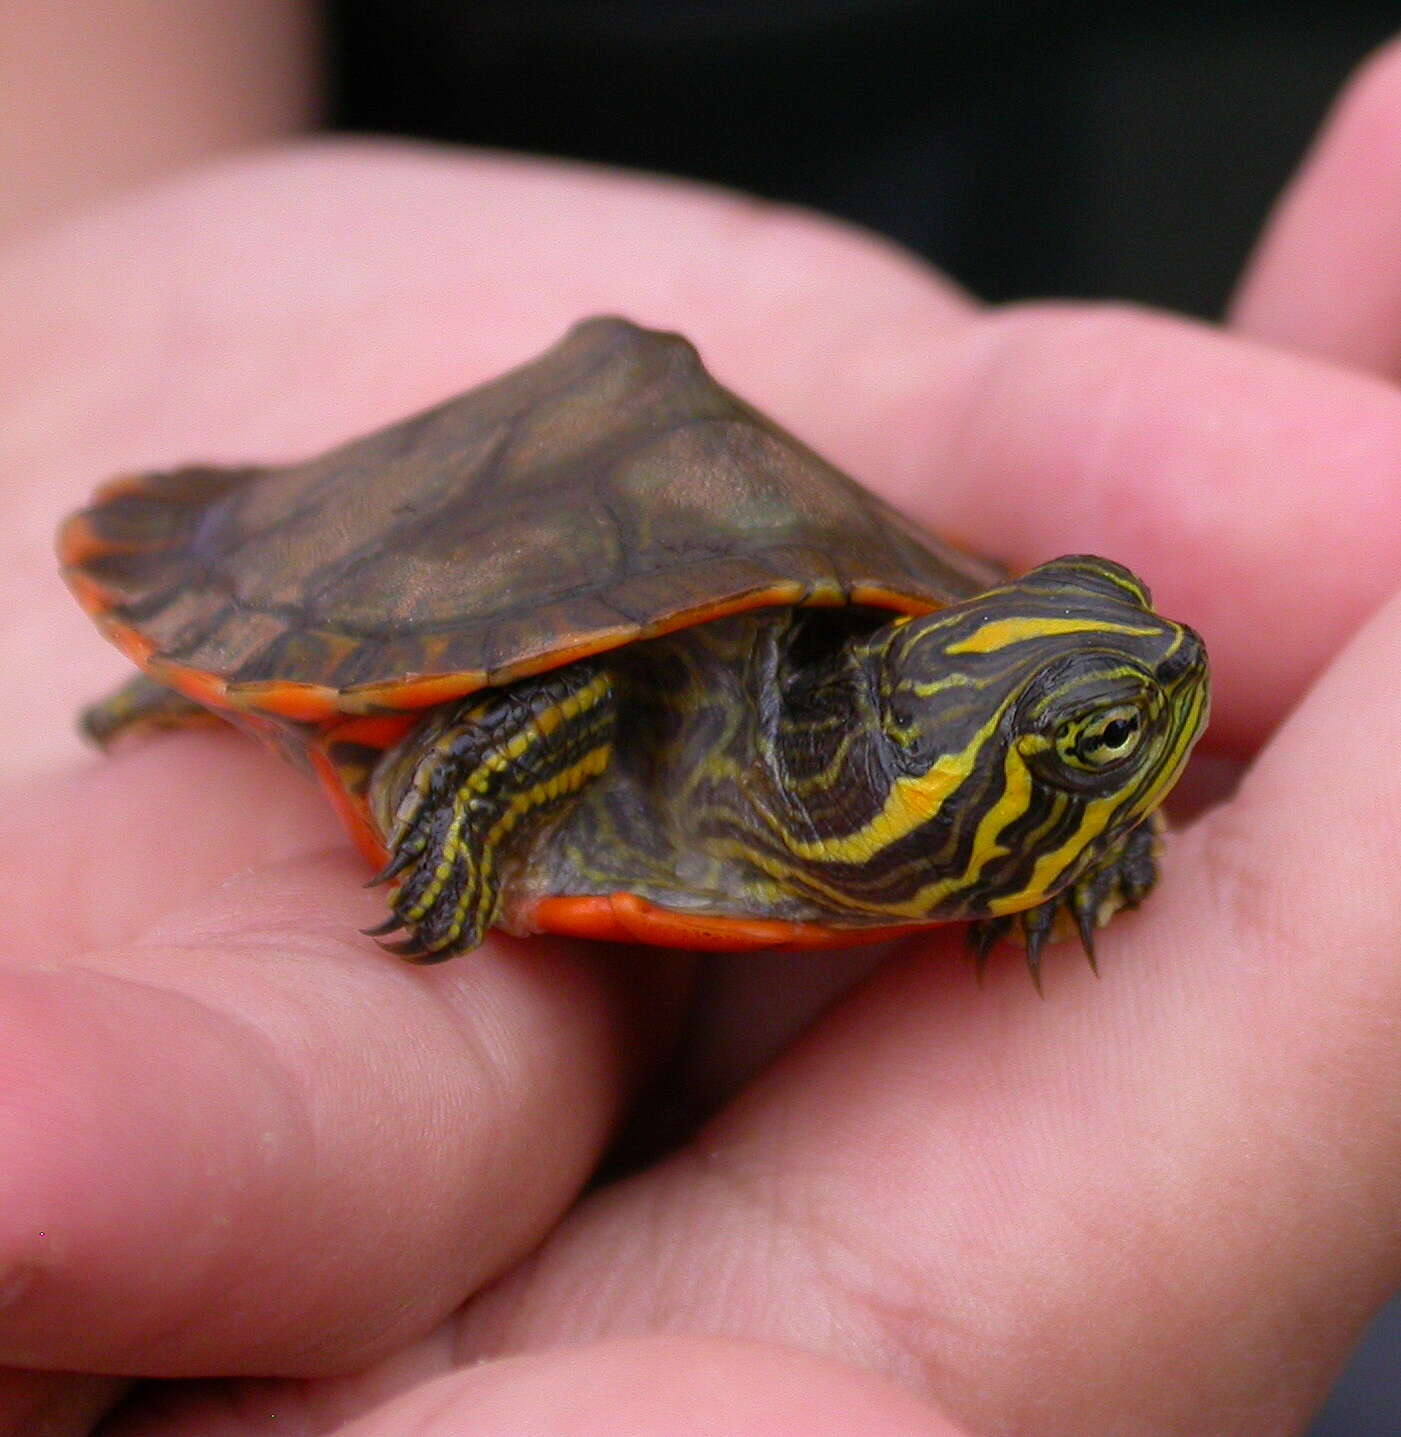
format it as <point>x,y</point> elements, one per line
<point>609,490</point>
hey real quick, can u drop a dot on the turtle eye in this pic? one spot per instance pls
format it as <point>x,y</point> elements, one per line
<point>1101,740</point>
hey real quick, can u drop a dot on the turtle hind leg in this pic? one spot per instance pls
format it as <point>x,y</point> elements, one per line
<point>141,705</point>
<point>472,785</point>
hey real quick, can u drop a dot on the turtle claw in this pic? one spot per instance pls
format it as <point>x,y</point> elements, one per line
<point>436,901</point>
<point>1034,928</point>
<point>403,857</point>
<point>983,937</point>
<point>413,950</point>
<point>1084,916</point>
<point>472,786</point>
<point>1122,879</point>
<point>1036,924</point>
<point>445,894</point>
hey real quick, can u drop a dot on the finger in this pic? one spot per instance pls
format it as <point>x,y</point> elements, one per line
<point>693,1387</point>
<point>54,1404</point>
<point>97,850</point>
<point>1325,278</point>
<point>205,319</point>
<point>1218,470</point>
<point>248,1141</point>
<point>677,1388</point>
<point>1166,1201</point>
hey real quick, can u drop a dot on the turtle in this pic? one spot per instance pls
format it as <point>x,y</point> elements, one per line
<point>597,649</point>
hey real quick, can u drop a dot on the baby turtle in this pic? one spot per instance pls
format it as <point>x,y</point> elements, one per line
<point>597,649</point>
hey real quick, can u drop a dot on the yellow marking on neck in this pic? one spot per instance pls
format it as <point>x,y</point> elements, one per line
<point>824,779</point>
<point>999,633</point>
<point>912,801</point>
<point>1015,799</point>
<point>788,877</point>
<point>942,781</point>
<point>1051,865</point>
<point>927,690</point>
<point>1098,814</point>
<point>1016,796</point>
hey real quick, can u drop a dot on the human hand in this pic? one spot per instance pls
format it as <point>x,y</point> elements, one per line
<point>240,1144</point>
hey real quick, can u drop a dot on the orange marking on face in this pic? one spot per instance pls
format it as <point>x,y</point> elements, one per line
<point>626,918</point>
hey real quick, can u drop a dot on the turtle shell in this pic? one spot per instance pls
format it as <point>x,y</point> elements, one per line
<point>610,490</point>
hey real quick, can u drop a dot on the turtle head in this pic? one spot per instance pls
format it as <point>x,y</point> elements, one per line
<point>1032,726</point>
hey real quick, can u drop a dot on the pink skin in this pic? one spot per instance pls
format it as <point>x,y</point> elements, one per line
<point>238,1142</point>
<point>94,99</point>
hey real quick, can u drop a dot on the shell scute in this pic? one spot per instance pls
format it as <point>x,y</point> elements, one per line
<point>609,489</point>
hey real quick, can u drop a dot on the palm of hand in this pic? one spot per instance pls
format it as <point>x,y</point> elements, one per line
<point>239,1141</point>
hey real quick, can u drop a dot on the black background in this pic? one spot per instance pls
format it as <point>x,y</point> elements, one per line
<point>1091,149</point>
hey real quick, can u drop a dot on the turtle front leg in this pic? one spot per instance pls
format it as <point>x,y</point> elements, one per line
<point>473,783</point>
<point>141,705</point>
<point>1122,878</point>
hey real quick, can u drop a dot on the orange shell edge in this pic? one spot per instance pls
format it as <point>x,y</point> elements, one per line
<point>626,918</point>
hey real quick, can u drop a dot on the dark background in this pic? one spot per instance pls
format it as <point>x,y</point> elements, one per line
<point>1027,147</point>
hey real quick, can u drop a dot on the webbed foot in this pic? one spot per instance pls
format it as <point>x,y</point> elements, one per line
<point>1123,878</point>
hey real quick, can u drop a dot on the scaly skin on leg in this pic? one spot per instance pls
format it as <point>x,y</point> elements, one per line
<point>1123,878</point>
<point>473,782</point>
<point>141,706</point>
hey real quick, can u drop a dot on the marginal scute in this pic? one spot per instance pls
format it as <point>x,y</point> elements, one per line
<point>627,918</point>
<point>607,490</point>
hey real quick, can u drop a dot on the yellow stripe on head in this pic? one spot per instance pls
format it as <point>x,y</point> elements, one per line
<point>1008,740</point>
<point>1089,574</point>
<point>999,633</point>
